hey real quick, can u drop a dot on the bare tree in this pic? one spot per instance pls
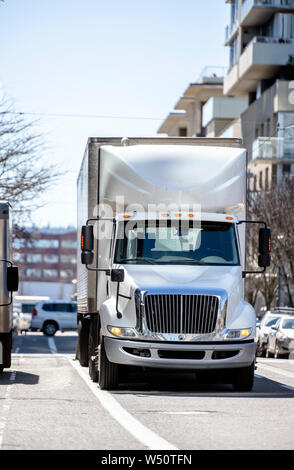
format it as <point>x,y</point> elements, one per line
<point>23,178</point>
<point>276,208</point>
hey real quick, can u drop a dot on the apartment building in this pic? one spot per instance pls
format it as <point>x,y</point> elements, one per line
<point>260,37</point>
<point>203,110</point>
<point>47,262</point>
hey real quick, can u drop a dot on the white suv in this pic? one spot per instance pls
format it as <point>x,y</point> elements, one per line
<point>52,315</point>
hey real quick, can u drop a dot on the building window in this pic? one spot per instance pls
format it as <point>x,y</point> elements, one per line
<point>260,180</point>
<point>34,258</point>
<point>19,242</point>
<point>50,259</point>
<point>266,179</point>
<point>183,132</point>
<point>69,244</point>
<point>50,273</point>
<point>66,273</point>
<point>34,273</point>
<point>43,243</point>
<point>255,183</point>
<point>68,259</point>
<point>18,257</point>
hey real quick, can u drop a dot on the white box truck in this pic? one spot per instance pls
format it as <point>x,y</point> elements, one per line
<point>8,284</point>
<point>161,258</point>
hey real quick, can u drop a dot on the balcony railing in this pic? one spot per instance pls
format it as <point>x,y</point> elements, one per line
<point>248,4</point>
<point>212,71</point>
<point>273,148</point>
<point>269,40</point>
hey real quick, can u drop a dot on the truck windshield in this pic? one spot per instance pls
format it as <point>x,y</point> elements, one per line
<point>178,242</point>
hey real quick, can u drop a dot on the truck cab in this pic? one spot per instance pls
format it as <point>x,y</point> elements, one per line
<point>169,282</point>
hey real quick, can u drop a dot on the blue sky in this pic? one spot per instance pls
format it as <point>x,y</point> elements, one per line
<point>114,58</point>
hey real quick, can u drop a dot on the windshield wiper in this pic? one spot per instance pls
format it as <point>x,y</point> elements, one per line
<point>126,260</point>
<point>184,261</point>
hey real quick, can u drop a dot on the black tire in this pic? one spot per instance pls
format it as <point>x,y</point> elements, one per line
<point>93,348</point>
<point>108,371</point>
<point>49,328</point>
<point>6,339</point>
<point>1,368</point>
<point>260,352</point>
<point>244,379</point>
<point>83,345</point>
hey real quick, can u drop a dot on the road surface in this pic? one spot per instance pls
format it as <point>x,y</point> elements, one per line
<point>47,401</point>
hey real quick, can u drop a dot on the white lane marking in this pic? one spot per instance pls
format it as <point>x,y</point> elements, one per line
<point>52,345</point>
<point>6,407</point>
<point>140,432</point>
<point>183,412</point>
<point>16,350</point>
<point>277,371</point>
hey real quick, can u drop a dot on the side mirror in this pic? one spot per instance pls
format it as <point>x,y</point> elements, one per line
<point>12,279</point>
<point>264,259</point>
<point>87,244</point>
<point>117,275</point>
<point>87,257</point>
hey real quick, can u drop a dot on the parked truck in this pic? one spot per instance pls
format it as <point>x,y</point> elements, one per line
<point>162,261</point>
<point>9,284</point>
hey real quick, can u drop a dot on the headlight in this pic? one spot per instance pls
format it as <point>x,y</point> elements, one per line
<point>122,332</point>
<point>237,334</point>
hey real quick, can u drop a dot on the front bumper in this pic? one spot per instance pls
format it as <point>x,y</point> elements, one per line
<point>243,354</point>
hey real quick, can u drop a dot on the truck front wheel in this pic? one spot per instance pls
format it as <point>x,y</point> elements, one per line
<point>93,348</point>
<point>108,371</point>
<point>244,378</point>
<point>6,339</point>
<point>83,343</point>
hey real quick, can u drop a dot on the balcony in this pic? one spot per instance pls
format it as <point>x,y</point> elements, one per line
<point>225,108</point>
<point>261,59</point>
<point>273,149</point>
<point>257,12</point>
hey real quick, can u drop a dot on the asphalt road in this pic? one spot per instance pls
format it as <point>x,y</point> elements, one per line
<point>47,401</point>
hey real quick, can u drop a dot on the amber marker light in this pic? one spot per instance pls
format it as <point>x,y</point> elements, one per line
<point>191,215</point>
<point>245,333</point>
<point>164,215</point>
<point>126,216</point>
<point>229,218</point>
<point>115,330</point>
<point>178,215</point>
<point>82,242</point>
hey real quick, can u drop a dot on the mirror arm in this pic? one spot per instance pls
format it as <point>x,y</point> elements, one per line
<point>244,273</point>
<point>107,271</point>
<point>95,219</point>
<point>252,222</point>
<point>118,313</point>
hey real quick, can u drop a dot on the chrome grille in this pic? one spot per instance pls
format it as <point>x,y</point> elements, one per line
<point>186,314</point>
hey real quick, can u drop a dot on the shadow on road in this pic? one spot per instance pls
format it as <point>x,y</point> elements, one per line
<point>23,378</point>
<point>186,384</point>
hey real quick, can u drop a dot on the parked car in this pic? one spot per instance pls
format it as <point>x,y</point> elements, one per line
<point>280,337</point>
<point>51,316</point>
<point>269,320</point>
